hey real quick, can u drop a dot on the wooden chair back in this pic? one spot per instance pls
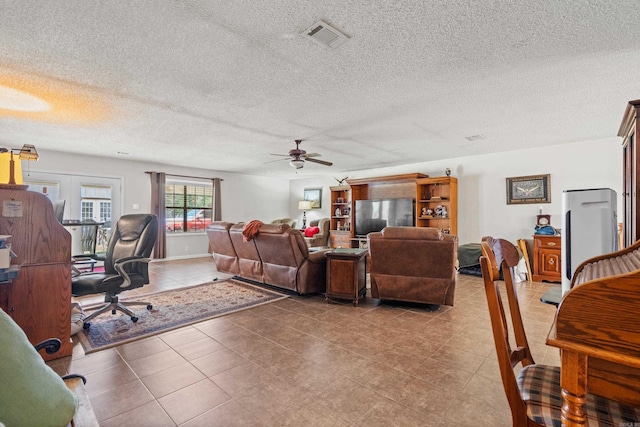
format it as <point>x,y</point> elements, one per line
<point>497,253</point>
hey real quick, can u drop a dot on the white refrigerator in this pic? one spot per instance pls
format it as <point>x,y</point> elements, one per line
<point>589,228</point>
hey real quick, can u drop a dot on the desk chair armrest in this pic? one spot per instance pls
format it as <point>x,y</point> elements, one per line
<point>52,345</point>
<point>119,266</point>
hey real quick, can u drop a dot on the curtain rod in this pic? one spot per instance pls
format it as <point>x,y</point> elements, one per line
<point>186,176</point>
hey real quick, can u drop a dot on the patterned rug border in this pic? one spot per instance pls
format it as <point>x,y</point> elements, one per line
<point>87,346</point>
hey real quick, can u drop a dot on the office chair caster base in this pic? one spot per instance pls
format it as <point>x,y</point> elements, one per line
<point>134,319</point>
<point>86,325</point>
<point>149,307</point>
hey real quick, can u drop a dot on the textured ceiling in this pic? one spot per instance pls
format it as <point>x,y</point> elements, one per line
<point>221,85</point>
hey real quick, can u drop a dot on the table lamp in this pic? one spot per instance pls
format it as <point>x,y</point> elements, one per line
<point>304,205</point>
<point>10,170</point>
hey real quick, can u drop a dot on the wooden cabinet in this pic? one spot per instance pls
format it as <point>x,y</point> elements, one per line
<point>437,203</point>
<point>629,129</point>
<point>39,299</point>
<point>339,239</point>
<point>546,258</point>
<point>346,274</point>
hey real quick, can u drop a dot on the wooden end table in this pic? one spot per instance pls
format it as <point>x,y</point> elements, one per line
<point>346,274</point>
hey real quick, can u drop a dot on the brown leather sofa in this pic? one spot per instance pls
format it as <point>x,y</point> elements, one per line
<point>220,243</point>
<point>277,256</point>
<point>413,264</point>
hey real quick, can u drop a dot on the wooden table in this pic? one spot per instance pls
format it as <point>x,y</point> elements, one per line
<point>597,329</point>
<point>346,274</point>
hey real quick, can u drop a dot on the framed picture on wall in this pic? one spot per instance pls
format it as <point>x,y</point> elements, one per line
<point>528,189</point>
<point>314,195</point>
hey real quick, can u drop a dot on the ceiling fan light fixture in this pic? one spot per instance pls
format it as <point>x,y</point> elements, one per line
<point>297,163</point>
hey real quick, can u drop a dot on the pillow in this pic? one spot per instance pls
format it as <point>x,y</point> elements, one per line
<point>32,394</point>
<point>311,231</point>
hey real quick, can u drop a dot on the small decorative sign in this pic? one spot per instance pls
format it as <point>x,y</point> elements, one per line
<point>12,208</point>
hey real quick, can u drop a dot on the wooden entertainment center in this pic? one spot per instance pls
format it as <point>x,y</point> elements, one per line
<point>429,193</point>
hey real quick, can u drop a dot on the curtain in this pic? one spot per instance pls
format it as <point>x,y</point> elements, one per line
<point>158,182</point>
<point>217,200</point>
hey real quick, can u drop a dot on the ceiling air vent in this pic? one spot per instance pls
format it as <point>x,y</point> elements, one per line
<point>475,137</point>
<point>325,35</point>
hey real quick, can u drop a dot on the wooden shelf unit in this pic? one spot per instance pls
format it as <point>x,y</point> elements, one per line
<point>434,192</point>
<point>340,199</point>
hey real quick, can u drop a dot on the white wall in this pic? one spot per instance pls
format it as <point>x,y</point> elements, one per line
<point>244,197</point>
<point>482,207</point>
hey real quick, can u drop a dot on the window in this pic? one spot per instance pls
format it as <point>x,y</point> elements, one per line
<point>96,203</point>
<point>189,207</point>
<point>87,210</point>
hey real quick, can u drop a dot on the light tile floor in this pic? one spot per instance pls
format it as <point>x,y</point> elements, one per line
<point>303,362</point>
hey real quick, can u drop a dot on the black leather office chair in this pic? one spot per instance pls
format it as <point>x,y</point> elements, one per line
<point>125,265</point>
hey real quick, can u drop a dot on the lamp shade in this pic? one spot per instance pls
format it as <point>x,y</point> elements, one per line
<point>305,205</point>
<point>5,167</point>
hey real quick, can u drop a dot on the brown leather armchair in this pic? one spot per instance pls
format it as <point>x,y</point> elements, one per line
<point>413,264</point>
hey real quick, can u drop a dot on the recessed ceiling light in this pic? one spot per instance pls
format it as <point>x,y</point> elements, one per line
<point>16,100</point>
<point>475,137</point>
<point>123,153</point>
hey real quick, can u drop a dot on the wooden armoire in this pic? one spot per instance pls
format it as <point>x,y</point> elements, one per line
<point>631,157</point>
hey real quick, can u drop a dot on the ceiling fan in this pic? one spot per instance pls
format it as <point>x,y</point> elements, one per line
<point>299,157</point>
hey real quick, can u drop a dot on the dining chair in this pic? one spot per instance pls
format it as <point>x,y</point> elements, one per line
<point>534,395</point>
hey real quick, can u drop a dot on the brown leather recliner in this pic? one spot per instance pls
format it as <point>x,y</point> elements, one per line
<point>224,253</point>
<point>249,261</point>
<point>413,264</point>
<point>286,260</point>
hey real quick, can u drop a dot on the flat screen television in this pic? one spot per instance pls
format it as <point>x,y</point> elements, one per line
<point>374,215</point>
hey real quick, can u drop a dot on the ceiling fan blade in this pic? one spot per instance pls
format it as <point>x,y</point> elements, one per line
<point>282,155</point>
<point>321,162</point>
<point>277,160</point>
<point>313,155</point>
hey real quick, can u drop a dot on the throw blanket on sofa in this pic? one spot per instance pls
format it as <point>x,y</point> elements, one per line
<point>251,229</point>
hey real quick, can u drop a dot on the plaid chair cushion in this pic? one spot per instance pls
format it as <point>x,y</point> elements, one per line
<point>540,389</point>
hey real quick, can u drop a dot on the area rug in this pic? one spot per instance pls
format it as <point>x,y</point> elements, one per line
<point>173,309</point>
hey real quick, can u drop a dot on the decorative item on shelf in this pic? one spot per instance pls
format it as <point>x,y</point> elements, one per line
<point>338,212</point>
<point>339,200</point>
<point>304,205</point>
<point>346,211</point>
<point>447,171</point>
<point>341,181</point>
<point>10,170</point>
<point>441,211</point>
